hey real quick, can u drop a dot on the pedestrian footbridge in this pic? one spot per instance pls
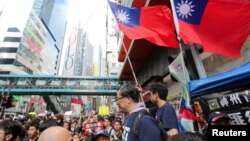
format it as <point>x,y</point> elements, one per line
<point>50,84</point>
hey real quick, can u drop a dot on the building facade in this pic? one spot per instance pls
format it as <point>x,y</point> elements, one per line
<point>26,49</point>
<point>26,44</point>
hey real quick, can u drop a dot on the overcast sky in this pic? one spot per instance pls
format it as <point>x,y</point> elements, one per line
<point>92,14</point>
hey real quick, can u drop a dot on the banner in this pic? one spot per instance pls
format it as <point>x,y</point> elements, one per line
<point>176,69</point>
<point>103,110</point>
<point>236,105</point>
<point>92,127</point>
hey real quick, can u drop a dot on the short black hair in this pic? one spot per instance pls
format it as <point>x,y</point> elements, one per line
<point>160,88</point>
<point>34,124</point>
<point>119,121</point>
<point>109,119</point>
<point>187,136</point>
<point>48,123</point>
<point>11,127</point>
<point>129,90</point>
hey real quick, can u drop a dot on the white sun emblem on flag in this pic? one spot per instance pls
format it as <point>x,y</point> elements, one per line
<point>122,16</point>
<point>185,9</point>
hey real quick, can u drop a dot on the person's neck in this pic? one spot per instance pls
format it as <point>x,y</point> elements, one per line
<point>108,126</point>
<point>33,138</point>
<point>160,103</point>
<point>118,130</point>
<point>132,107</point>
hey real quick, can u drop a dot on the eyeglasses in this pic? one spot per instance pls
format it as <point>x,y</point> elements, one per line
<point>118,98</point>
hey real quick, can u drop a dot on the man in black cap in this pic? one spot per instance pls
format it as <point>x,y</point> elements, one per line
<point>218,118</point>
<point>101,135</point>
<point>215,118</point>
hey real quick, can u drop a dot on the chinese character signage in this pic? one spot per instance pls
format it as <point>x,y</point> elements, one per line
<point>236,105</point>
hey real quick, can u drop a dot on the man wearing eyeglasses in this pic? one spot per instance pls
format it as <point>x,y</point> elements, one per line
<point>128,102</point>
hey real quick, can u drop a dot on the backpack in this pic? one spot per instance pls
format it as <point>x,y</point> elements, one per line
<point>135,127</point>
<point>110,131</point>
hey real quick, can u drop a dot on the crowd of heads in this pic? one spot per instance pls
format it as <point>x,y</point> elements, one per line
<point>106,128</point>
<point>57,128</point>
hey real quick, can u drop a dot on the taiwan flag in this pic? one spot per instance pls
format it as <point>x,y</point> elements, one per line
<point>186,117</point>
<point>220,26</point>
<point>185,112</point>
<point>154,23</point>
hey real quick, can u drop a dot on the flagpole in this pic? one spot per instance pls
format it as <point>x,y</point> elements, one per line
<point>130,64</point>
<point>133,72</point>
<point>180,46</point>
<point>177,28</point>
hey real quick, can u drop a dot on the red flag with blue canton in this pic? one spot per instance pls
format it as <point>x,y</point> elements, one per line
<point>186,113</point>
<point>154,23</point>
<point>221,26</point>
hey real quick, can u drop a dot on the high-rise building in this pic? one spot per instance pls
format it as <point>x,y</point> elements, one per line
<point>47,9</point>
<point>53,16</point>
<point>52,13</point>
<point>103,67</point>
<point>25,46</point>
<point>88,59</point>
<point>84,55</point>
<point>77,52</point>
<point>37,7</point>
<point>58,19</point>
<point>8,52</point>
<point>113,65</point>
<point>113,36</point>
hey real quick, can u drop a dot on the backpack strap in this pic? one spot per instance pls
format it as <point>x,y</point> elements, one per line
<point>135,127</point>
<point>110,131</point>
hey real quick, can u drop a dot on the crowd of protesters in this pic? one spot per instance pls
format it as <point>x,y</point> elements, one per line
<point>88,128</point>
<point>120,127</point>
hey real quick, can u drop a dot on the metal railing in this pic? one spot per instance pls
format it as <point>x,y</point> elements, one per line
<point>42,84</point>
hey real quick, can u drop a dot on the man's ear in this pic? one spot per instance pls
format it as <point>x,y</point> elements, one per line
<point>156,93</point>
<point>38,132</point>
<point>129,99</point>
<point>8,137</point>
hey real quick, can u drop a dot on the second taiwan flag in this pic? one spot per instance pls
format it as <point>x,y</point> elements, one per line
<point>221,26</point>
<point>154,23</point>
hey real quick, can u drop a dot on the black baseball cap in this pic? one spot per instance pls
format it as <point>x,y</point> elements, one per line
<point>215,116</point>
<point>99,133</point>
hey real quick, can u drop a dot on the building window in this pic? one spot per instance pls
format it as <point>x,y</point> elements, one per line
<point>8,50</point>
<point>12,39</point>
<point>14,29</point>
<point>6,61</point>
